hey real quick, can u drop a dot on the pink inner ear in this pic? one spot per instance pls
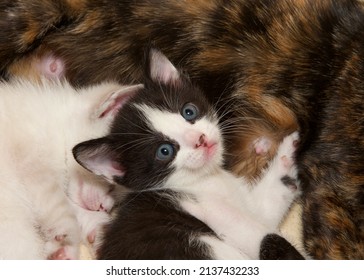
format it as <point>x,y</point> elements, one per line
<point>161,69</point>
<point>165,72</point>
<point>112,170</point>
<point>118,169</point>
<point>105,166</point>
<point>114,105</point>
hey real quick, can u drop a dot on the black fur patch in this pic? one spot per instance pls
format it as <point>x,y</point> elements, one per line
<point>150,226</point>
<point>275,247</point>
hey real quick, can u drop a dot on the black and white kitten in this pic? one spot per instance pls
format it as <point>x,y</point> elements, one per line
<point>166,146</point>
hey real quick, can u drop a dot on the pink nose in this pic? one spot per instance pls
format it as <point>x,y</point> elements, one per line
<point>197,139</point>
<point>208,146</point>
<point>201,141</point>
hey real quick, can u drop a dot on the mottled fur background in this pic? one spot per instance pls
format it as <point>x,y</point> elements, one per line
<point>272,66</point>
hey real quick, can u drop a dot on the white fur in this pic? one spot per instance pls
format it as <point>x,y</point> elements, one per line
<point>239,213</point>
<point>187,135</point>
<point>39,178</point>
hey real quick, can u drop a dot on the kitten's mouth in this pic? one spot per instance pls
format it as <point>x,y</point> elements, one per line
<point>210,150</point>
<point>204,156</point>
<point>208,146</point>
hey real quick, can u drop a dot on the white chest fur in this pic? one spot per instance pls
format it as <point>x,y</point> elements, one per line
<point>241,214</point>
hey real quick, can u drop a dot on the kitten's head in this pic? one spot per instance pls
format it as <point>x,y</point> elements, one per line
<point>167,131</point>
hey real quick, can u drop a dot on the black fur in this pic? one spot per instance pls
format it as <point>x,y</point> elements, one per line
<point>275,247</point>
<point>150,226</point>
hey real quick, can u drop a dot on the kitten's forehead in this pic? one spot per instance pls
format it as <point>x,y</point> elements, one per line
<point>160,120</point>
<point>172,125</point>
<point>172,97</point>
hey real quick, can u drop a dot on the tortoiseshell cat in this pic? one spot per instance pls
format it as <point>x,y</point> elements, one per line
<point>272,66</point>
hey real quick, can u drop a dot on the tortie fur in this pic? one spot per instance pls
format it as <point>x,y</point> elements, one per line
<point>270,66</point>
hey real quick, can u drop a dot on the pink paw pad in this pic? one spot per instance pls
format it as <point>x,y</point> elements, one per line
<point>60,238</point>
<point>60,254</point>
<point>91,237</point>
<point>287,162</point>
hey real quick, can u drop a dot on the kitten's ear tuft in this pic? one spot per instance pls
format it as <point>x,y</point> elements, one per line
<point>115,100</point>
<point>161,69</point>
<point>96,156</point>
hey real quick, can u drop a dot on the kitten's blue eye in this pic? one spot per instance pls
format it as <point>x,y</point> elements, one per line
<point>165,152</point>
<point>190,112</point>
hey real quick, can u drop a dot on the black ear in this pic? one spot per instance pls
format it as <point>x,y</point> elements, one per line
<point>97,156</point>
<point>275,247</point>
<point>160,69</point>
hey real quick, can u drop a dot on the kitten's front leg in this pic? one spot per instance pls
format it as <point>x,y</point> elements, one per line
<point>61,231</point>
<point>92,201</point>
<point>272,196</point>
<point>89,203</point>
<point>232,224</point>
<point>91,224</point>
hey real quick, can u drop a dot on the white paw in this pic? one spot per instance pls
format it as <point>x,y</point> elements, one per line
<point>96,197</point>
<point>92,223</point>
<point>280,185</point>
<point>62,241</point>
<point>99,220</point>
<point>288,145</point>
<point>64,253</point>
<point>62,247</point>
<point>285,163</point>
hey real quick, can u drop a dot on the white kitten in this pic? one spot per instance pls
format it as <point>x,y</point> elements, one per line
<point>48,202</point>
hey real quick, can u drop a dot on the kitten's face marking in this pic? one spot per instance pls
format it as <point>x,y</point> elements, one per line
<point>196,143</point>
<point>168,128</point>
